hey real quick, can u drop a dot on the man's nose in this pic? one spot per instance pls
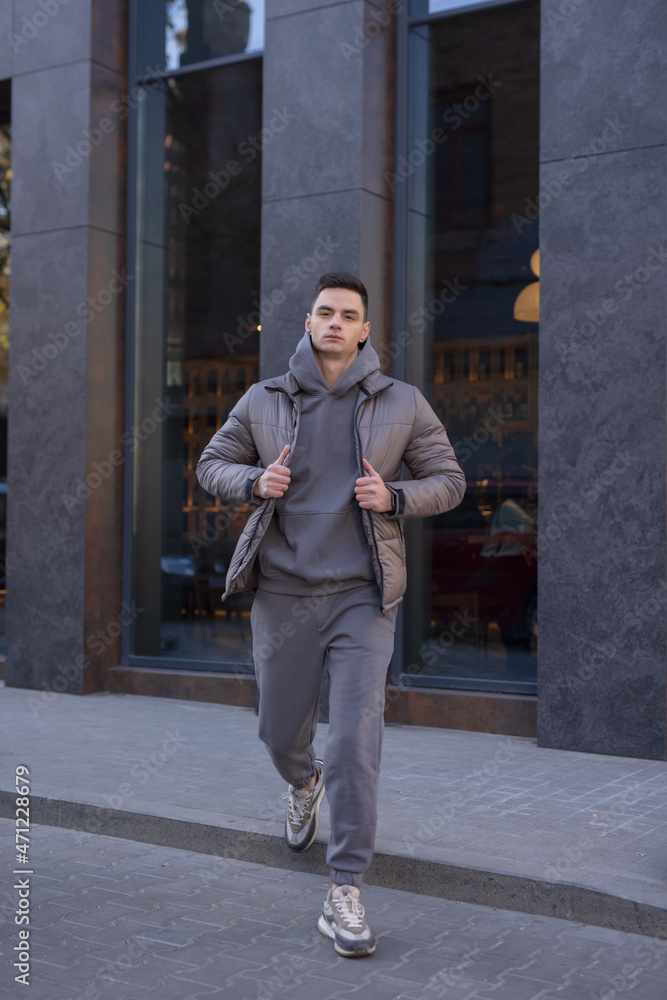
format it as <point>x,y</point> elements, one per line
<point>335,320</point>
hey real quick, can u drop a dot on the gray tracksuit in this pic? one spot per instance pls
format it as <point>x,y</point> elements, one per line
<point>329,575</point>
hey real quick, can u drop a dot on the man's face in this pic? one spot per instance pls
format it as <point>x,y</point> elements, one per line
<point>336,324</point>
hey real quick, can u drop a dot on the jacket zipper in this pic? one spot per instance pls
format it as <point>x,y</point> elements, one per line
<point>366,512</point>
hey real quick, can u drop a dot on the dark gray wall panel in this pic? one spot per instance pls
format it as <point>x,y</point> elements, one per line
<point>66,359</point>
<point>301,239</point>
<point>7,46</point>
<point>326,204</point>
<point>320,148</point>
<point>603,421</point>
<point>604,60</point>
<point>46,456</point>
<point>50,112</point>
<point>53,37</point>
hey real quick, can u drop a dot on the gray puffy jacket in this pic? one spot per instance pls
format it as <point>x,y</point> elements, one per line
<point>394,424</point>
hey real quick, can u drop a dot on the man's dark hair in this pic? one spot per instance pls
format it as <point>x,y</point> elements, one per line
<point>343,279</point>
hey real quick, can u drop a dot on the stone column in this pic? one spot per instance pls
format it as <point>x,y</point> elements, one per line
<point>603,320</point>
<point>64,530</point>
<point>329,80</point>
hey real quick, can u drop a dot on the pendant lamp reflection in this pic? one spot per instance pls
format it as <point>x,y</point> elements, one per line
<point>527,304</point>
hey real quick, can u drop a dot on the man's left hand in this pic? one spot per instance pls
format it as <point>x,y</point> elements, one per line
<point>371,492</point>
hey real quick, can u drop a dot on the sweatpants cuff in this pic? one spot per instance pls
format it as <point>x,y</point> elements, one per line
<point>347,878</point>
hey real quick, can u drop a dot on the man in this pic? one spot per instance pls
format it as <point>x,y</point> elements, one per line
<point>319,451</point>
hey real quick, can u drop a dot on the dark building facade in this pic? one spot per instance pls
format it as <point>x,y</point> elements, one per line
<point>180,172</point>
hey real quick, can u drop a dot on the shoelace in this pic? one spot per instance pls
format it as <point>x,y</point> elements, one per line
<point>296,807</point>
<point>350,910</point>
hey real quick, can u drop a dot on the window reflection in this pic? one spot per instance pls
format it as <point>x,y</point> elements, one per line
<point>471,614</point>
<point>197,30</point>
<point>420,7</point>
<point>197,349</point>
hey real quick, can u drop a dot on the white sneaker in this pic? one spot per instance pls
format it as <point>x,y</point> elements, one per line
<point>303,812</point>
<point>343,920</point>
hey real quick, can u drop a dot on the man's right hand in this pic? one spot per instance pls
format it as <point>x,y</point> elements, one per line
<point>275,480</point>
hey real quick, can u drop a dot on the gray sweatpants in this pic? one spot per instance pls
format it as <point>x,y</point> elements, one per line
<point>292,639</point>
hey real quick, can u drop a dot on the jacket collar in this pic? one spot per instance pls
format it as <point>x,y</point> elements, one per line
<point>370,385</point>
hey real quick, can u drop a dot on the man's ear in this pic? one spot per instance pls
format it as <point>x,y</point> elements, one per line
<point>307,322</point>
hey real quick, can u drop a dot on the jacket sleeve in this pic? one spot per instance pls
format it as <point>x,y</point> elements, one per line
<point>438,483</point>
<point>227,467</point>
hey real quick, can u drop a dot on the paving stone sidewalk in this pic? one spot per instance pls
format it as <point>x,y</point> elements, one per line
<point>112,919</point>
<point>492,803</point>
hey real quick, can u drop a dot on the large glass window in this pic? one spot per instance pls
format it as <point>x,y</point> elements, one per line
<point>471,167</point>
<point>196,351</point>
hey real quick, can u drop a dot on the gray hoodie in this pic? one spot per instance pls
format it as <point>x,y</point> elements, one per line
<point>316,537</point>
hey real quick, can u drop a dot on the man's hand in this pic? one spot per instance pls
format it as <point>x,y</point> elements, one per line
<point>275,480</point>
<point>371,492</point>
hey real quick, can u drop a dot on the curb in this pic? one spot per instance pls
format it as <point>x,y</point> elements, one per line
<point>564,900</point>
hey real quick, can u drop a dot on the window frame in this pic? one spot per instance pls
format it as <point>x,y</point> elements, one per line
<point>405,23</point>
<point>138,80</point>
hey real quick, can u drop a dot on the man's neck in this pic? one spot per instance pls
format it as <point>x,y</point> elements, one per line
<point>332,369</point>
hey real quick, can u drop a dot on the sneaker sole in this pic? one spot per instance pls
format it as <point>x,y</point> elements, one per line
<point>324,927</point>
